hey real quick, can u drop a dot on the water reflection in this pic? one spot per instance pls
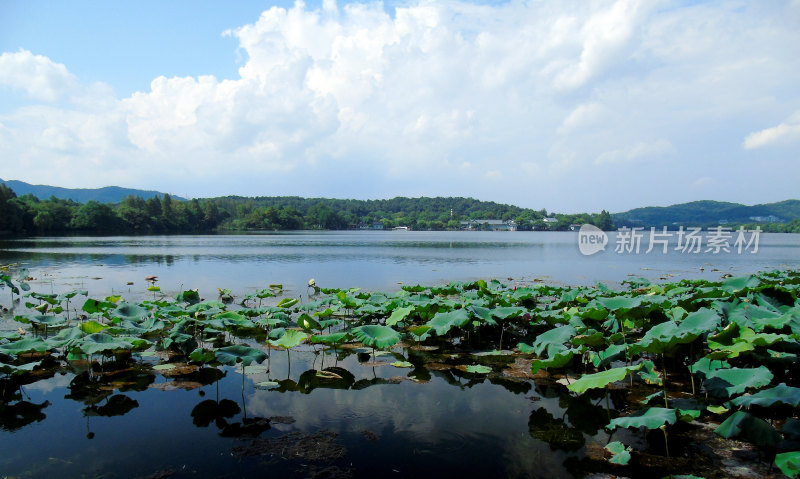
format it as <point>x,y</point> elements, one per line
<point>373,260</point>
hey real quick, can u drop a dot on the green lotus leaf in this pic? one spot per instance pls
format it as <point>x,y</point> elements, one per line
<point>398,315</point>
<point>234,319</point>
<point>331,339</point>
<point>272,321</point>
<point>601,379</point>
<point>788,463</point>
<point>45,320</point>
<point>717,409</point>
<point>742,378</point>
<point>376,336</point>
<point>287,303</point>
<point>651,418</point>
<point>780,394</point>
<point>698,323</point>
<point>239,353</point>
<point>659,339</point>
<point>201,355</point>
<point>11,335</point>
<point>745,425</point>
<point>482,314</point>
<point>688,415</point>
<point>554,337</point>
<point>308,323</point>
<point>620,454</point>
<point>13,369</point>
<point>558,359</point>
<point>100,342</point>
<point>605,357</point>
<point>706,366</point>
<point>441,323</point>
<point>402,364</point>
<point>21,346</point>
<point>191,296</point>
<point>92,326</point>
<point>421,332</point>
<point>289,339</point>
<point>48,298</point>
<point>733,285</point>
<point>620,302</point>
<point>367,309</point>
<point>478,369</point>
<point>649,374</point>
<point>94,306</point>
<point>71,294</point>
<point>66,338</point>
<point>590,337</point>
<point>508,312</point>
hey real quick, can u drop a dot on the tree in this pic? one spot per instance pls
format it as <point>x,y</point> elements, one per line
<point>10,211</point>
<point>95,217</point>
<point>603,221</point>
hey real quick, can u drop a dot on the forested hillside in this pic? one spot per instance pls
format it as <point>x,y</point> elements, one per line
<point>711,213</point>
<point>28,215</point>
<point>108,194</point>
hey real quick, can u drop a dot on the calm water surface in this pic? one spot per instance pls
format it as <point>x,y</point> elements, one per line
<point>377,421</point>
<point>371,260</point>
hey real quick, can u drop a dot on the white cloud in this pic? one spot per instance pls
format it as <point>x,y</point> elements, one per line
<point>641,151</point>
<point>785,133</point>
<point>430,100</point>
<point>40,77</point>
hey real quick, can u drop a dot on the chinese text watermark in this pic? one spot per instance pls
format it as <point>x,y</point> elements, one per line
<point>716,240</point>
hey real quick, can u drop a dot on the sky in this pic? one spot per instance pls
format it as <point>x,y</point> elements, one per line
<point>566,105</point>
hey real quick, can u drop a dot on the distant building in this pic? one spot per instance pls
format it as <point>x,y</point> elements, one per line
<point>767,219</point>
<point>377,225</point>
<point>491,225</point>
<point>550,220</point>
<point>574,227</point>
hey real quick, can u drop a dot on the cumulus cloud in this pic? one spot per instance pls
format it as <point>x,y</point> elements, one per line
<point>785,133</point>
<point>636,152</point>
<point>435,98</point>
<point>37,75</point>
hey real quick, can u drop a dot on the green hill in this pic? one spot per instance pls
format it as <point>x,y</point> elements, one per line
<point>709,213</point>
<point>108,194</point>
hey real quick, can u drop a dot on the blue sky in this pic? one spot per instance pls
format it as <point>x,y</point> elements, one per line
<point>569,106</point>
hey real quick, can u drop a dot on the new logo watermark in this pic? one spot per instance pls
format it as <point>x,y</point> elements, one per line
<point>591,240</point>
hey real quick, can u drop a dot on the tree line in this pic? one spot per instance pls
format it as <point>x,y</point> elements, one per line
<point>28,215</point>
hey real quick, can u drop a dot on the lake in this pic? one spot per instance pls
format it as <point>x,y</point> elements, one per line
<point>121,417</point>
<point>374,260</point>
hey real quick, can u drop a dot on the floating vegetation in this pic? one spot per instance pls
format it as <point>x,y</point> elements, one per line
<point>660,361</point>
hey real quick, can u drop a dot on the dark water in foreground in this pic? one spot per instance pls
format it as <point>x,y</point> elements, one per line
<point>380,423</point>
<point>126,420</point>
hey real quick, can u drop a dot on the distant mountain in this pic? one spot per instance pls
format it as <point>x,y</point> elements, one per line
<point>709,213</point>
<point>108,194</point>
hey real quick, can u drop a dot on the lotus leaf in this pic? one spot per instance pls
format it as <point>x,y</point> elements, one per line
<point>376,336</point>
<point>780,394</point>
<point>289,339</point>
<point>620,454</point>
<point>743,424</point>
<point>788,463</point>
<point>651,418</point>
<point>601,379</point>
<point>238,353</point>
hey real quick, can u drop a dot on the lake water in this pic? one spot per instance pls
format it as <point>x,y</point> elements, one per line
<point>127,420</point>
<point>372,260</point>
